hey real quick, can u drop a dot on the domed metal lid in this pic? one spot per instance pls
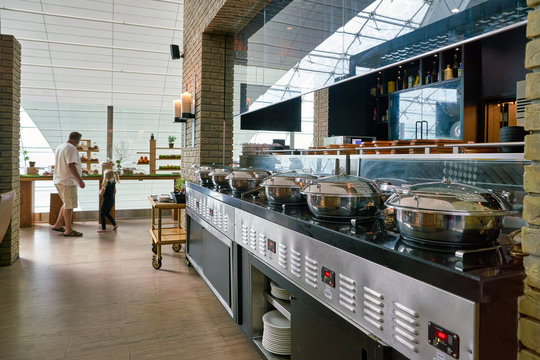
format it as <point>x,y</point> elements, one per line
<point>343,185</point>
<point>248,174</point>
<point>221,170</point>
<point>289,179</point>
<point>450,198</point>
<point>205,169</point>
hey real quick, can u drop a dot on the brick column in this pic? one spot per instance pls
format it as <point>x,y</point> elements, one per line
<point>320,117</point>
<point>10,80</point>
<point>529,304</point>
<point>209,28</point>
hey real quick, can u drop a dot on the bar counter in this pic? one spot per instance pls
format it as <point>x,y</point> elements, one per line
<point>27,191</point>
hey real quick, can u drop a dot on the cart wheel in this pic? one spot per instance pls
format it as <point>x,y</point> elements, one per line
<point>154,248</point>
<point>176,247</point>
<point>156,262</point>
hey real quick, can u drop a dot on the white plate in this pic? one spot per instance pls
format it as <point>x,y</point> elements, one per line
<point>275,320</point>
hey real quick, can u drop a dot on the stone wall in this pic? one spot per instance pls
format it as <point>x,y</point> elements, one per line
<point>320,117</point>
<point>10,80</point>
<point>529,304</point>
<point>209,28</point>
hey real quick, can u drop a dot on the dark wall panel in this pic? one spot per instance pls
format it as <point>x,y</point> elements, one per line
<point>503,59</point>
<point>348,108</point>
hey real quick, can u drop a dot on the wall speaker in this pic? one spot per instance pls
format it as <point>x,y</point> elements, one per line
<point>175,52</point>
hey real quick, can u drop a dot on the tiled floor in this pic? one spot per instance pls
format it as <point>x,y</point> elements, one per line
<point>98,297</point>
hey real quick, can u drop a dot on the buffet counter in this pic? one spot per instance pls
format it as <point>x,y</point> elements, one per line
<point>27,191</point>
<point>361,278</point>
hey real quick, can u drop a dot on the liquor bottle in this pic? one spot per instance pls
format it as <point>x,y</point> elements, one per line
<point>448,73</point>
<point>459,70</point>
<point>391,86</point>
<point>455,67</point>
<point>374,114</point>
<point>417,79</point>
<point>404,79</point>
<point>427,79</point>
<point>435,72</point>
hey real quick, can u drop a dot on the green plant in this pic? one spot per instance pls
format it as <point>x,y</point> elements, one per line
<point>171,139</point>
<point>118,164</point>
<point>180,184</point>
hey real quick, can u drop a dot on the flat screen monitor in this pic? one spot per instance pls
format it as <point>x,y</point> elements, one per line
<point>283,116</point>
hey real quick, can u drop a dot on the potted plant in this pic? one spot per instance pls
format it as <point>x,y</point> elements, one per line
<point>152,136</point>
<point>171,141</point>
<point>179,195</point>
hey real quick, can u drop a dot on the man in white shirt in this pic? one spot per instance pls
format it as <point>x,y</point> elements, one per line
<point>67,175</point>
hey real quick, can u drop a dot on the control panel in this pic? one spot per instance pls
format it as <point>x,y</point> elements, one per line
<point>443,339</point>
<point>399,310</point>
<point>218,214</point>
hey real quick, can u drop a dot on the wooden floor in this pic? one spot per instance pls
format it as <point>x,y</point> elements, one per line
<point>98,297</point>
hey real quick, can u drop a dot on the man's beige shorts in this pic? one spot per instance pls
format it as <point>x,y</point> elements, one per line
<point>68,194</point>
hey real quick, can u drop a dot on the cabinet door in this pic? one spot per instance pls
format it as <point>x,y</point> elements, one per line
<point>217,264</point>
<point>195,242</point>
<point>318,333</point>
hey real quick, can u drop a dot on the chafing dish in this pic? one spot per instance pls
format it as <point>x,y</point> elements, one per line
<point>343,197</point>
<point>246,179</point>
<point>449,214</point>
<point>219,176</point>
<point>285,188</point>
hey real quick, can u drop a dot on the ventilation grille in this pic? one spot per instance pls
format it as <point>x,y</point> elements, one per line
<point>296,263</point>
<point>373,308</point>
<point>406,326</point>
<point>311,272</point>
<point>282,255</point>
<point>347,293</point>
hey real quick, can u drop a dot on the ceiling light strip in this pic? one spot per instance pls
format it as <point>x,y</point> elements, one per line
<point>96,91</point>
<point>90,19</point>
<point>100,69</point>
<point>93,45</point>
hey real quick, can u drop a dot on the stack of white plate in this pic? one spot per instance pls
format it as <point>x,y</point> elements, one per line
<point>278,292</point>
<point>276,333</point>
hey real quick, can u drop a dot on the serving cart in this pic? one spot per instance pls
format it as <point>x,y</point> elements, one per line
<point>173,235</point>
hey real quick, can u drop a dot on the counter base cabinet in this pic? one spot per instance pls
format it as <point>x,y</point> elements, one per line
<point>317,332</point>
<point>211,257</point>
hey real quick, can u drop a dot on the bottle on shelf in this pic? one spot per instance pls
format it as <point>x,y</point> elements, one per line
<point>435,72</point>
<point>448,73</point>
<point>391,86</point>
<point>417,79</point>
<point>405,80</point>
<point>460,70</point>
<point>455,67</point>
<point>427,80</point>
<point>374,114</point>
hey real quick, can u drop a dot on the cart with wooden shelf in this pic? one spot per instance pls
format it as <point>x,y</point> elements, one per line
<point>173,235</point>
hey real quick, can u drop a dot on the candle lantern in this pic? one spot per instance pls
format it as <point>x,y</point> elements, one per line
<point>177,110</point>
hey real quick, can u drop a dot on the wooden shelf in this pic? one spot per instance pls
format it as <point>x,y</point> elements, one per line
<point>168,148</point>
<point>169,159</point>
<point>168,169</point>
<point>90,162</point>
<point>143,164</point>
<point>89,150</point>
<point>169,236</point>
<point>143,152</point>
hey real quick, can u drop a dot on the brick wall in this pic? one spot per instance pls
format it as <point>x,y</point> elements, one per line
<point>529,304</point>
<point>10,80</point>
<point>320,117</point>
<point>209,27</point>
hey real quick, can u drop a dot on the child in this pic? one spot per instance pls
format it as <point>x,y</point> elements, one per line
<point>110,178</point>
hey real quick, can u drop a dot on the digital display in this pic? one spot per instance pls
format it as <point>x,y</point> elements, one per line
<point>272,246</point>
<point>444,340</point>
<point>328,276</point>
<point>441,335</point>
